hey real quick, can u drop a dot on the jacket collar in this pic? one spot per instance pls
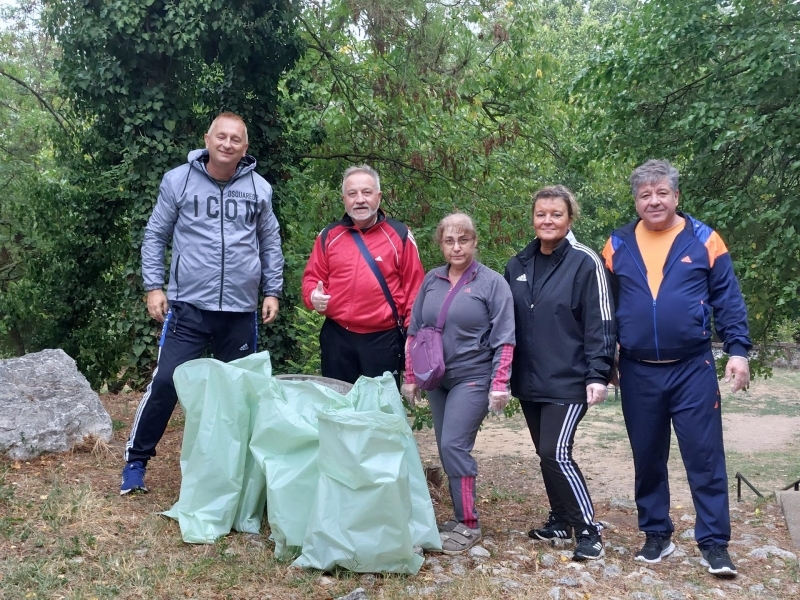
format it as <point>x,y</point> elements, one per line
<point>626,231</point>
<point>199,158</point>
<point>348,222</point>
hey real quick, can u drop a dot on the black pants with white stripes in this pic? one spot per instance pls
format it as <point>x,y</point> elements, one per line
<point>552,427</point>
<point>187,333</point>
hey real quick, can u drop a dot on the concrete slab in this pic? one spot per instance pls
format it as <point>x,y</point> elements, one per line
<point>790,503</point>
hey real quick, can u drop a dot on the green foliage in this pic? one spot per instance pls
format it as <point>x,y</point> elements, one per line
<point>459,107</point>
<point>713,87</point>
<point>143,80</point>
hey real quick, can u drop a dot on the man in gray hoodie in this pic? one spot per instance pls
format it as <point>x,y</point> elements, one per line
<point>217,213</point>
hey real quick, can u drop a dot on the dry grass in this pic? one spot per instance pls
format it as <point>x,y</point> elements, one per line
<point>66,533</point>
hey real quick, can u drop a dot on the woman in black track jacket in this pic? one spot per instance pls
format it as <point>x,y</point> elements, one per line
<point>564,322</point>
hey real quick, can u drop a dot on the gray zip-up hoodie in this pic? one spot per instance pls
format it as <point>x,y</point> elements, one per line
<point>225,243</point>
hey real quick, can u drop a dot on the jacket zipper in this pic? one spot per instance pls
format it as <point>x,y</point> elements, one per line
<point>644,276</point>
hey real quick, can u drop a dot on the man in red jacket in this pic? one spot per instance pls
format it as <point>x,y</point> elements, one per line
<point>360,335</point>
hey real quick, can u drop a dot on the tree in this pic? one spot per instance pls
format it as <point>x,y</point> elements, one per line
<point>142,81</point>
<point>713,87</point>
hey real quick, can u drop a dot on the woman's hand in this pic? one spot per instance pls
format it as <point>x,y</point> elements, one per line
<point>498,401</point>
<point>411,392</point>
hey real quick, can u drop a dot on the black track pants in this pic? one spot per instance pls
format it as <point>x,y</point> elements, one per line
<point>552,428</point>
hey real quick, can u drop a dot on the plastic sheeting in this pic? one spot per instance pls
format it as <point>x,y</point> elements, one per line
<point>340,474</point>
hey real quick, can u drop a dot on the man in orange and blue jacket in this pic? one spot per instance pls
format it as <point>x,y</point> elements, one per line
<point>670,273</point>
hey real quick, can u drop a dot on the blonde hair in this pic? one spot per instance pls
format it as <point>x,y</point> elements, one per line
<point>460,222</point>
<point>562,192</point>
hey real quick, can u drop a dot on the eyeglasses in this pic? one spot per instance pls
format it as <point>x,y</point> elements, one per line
<point>462,241</point>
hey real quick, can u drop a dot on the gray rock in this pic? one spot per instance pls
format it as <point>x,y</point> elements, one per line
<point>458,570</point>
<point>46,405</point>
<point>647,580</point>
<point>554,593</point>
<point>548,560</point>
<point>612,571</point>
<point>356,594</point>
<point>549,573</point>
<point>507,584</point>
<point>757,588</point>
<point>688,534</point>
<point>568,581</point>
<point>367,580</point>
<point>767,551</point>
<point>687,518</point>
<point>623,503</point>
<point>642,596</point>
<point>479,552</point>
<point>718,593</point>
<point>671,594</point>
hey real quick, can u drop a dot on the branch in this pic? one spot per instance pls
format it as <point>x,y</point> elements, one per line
<point>59,119</point>
<point>353,156</point>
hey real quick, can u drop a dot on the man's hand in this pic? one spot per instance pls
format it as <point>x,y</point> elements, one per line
<point>269,309</point>
<point>596,393</point>
<point>737,369</point>
<point>319,299</point>
<point>157,305</point>
<point>411,392</point>
<point>498,401</point>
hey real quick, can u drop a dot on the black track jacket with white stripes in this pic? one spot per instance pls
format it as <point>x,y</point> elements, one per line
<point>565,329</point>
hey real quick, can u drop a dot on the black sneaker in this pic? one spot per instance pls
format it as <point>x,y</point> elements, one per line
<point>553,529</point>
<point>589,545</point>
<point>718,561</point>
<point>655,548</point>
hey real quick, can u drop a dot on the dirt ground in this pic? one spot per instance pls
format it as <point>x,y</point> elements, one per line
<point>511,500</point>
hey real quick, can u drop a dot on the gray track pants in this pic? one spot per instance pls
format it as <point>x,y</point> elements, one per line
<point>458,407</point>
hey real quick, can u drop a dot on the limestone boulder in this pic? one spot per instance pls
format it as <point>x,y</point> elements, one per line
<point>47,405</point>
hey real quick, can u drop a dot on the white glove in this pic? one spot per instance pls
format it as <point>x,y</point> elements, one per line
<point>498,401</point>
<point>596,393</point>
<point>411,392</point>
<point>319,299</point>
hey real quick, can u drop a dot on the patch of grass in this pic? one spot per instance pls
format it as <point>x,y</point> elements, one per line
<point>116,424</point>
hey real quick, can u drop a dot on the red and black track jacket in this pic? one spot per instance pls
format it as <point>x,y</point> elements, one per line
<point>698,278</point>
<point>357,302</point>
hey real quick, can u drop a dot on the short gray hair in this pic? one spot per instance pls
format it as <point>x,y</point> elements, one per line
<point>654,171</point>
<point>362,169</point>
<point>460,222</point>
<point>558,191</point>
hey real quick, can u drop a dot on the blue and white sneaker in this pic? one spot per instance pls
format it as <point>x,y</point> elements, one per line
<point>133,478</point>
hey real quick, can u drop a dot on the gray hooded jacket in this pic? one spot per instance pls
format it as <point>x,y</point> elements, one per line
<point>225,244</point>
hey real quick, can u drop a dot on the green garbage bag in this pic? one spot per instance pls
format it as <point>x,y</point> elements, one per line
<point>285,444</point>
<point>222,486</point>
<point>380,393</point>
<point>361,518</point>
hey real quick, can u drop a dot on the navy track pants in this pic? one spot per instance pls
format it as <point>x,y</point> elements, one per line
<point>187,333</point>
<point>686,395</point>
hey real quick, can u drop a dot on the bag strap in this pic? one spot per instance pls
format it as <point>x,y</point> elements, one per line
<point>377,272</point>
<point>451,295</point>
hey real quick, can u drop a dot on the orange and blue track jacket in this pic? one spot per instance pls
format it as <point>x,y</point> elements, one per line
<point>698,279</point>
